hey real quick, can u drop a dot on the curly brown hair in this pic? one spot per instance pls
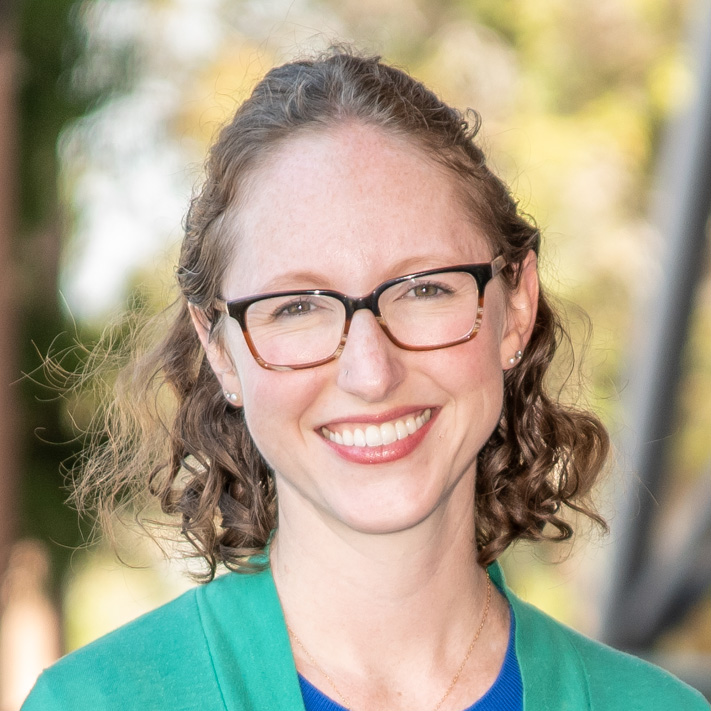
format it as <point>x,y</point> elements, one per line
<point>172,432</point>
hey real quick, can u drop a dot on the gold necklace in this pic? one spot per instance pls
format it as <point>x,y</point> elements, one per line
<point>344,699</point>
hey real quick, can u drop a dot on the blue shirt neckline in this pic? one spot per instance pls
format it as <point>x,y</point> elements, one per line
<point>505,694</point>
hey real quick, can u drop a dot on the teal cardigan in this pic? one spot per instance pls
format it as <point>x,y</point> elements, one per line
<point>224,647</point>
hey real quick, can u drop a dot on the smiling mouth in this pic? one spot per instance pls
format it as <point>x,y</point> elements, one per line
<point>378,435</point>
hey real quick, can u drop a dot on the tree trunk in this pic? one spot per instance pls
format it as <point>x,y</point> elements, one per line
<point>9,191</point>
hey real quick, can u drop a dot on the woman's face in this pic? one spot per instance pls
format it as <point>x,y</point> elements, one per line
<point>348,209</point>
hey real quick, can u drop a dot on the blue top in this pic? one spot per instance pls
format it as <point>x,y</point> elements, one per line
<point>505,694</point>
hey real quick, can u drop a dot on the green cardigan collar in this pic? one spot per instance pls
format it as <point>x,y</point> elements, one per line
<point>250,650</point>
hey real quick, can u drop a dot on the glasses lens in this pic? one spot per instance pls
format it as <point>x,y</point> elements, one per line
<point>296,329</point>
<point>432,310</point>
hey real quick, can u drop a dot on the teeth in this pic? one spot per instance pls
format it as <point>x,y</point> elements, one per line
<point>401,429</point>
<point>378,435</point>
<point>373,437</point>
<point>388,433</point>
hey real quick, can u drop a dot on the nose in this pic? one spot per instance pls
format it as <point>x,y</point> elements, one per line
<point>370,365</point>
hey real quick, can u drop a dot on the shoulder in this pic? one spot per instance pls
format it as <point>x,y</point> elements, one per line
<point>206,649</point>
<point>604,677</point>
<point>159,660</point>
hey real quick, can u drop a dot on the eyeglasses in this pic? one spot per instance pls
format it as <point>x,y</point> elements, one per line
<point>437,308</point>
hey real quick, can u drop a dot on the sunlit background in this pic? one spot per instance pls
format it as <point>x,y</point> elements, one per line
<point>108,108</point>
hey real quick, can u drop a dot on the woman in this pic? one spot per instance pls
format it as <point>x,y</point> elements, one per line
<point>357,426</point>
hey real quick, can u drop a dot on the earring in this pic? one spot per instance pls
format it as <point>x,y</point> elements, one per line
<point>515,358</point>
<point>232,397</point>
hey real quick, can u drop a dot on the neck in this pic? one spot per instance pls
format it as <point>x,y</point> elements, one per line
<point>372,568</point>
<point>388,615</point>
<point>362,585</point>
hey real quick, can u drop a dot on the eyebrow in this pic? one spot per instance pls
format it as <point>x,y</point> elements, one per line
<point>289,280</point>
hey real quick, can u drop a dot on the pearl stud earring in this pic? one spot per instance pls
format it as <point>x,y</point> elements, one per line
<point>232,397</point>
<point>515,358</point>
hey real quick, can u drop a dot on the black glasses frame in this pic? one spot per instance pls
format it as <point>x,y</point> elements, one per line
<point>482,273</point>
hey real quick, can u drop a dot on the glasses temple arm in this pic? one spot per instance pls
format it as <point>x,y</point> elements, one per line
<point>497,265</point>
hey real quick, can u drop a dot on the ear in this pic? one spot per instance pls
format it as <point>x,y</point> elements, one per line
<point>520,313</point>
<point>218,356</point>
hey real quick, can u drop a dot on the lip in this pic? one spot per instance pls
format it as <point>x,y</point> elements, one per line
<point>386,452</point>
<point>394,414</point>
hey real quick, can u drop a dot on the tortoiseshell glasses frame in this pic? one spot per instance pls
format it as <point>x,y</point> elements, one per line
<point>238,309</point>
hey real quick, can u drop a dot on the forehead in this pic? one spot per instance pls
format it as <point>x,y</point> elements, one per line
<point>347,208</point>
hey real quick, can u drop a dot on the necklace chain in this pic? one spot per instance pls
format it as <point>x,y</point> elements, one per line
<point>344,699</point>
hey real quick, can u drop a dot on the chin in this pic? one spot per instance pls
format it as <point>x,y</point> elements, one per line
<point>380,528</point>
<point>382,520</point>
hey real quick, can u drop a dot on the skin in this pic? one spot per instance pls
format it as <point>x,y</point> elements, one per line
<point>347,209</point>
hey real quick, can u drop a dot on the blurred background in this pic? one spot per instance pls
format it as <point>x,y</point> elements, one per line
<point>597,112</point>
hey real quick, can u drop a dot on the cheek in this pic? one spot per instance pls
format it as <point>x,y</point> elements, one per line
<point>275,404</point>
<point>263,409</point>
<point>477,380</point>
<point>264,403</point>
<point>474,379</point>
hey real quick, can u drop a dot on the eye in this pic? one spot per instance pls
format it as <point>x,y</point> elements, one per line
<point>297,307</point>
<point>428,290</point>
